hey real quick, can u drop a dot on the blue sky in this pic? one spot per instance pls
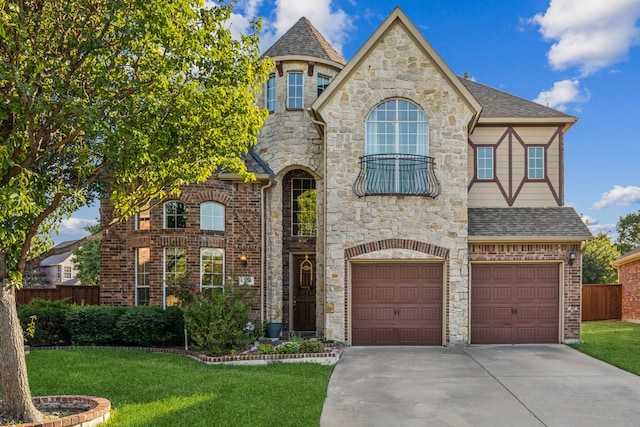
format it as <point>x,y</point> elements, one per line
<point>579,56</point>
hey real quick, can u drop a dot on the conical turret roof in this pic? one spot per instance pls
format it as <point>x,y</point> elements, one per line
<point>304,39</point>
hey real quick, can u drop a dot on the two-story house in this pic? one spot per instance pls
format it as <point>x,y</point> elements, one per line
<point>396,204</point>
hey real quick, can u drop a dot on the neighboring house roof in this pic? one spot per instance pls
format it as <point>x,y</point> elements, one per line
<point>630,256</point>
<point>303,39</point>
<point>500,105</point>
<point>526,224</point>
<point>60,258</point>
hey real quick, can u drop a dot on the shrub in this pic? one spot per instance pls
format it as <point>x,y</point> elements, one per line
<point>144,326</point>
<point>176,325</point>
<point>93,325</point>
<point>218,320</point>
<point>49,322</point>
<point>265,349</point>
<point>288,348</point>
<point>311,346</point>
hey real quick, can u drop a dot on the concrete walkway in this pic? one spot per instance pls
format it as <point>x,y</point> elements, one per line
<point>533,385</point>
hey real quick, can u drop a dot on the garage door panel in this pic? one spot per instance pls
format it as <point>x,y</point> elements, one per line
<point>403,308</point>
<point>516,303</point>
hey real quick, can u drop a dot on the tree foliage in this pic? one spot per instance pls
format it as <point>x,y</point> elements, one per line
<point>628,229</point>
<point>121,98</point>
<point>596,261</point>
<point>86,259</point>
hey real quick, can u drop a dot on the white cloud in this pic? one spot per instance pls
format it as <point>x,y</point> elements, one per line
<point>589,34</point>
<point>622,196</point>
<point>72,229</point>
<point>608,229</point>
<point>563,93</point>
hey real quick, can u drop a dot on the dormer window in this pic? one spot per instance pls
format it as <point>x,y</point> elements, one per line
<point>323,82</point>
<point>294,91</point>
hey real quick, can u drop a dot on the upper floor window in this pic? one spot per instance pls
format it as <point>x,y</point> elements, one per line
<point>535,162</point>
<point>143,218</point>
<point>211,216</point>
<point>485,163</point>
<point>323,82</point>
<point>67,272</point>
<point>397,148</point>
<point>211,268</point>
<point>294,92</point>
<point>175,215</point>
<point>303,207</point>
<point>271,93</point>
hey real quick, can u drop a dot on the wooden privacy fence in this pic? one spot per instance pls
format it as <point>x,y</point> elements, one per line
<point>601,302</point>
<point>89,295</point>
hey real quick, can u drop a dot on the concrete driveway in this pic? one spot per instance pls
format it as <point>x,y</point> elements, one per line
<point>532,385</point>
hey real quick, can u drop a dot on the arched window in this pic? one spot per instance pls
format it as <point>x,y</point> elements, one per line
<point>211,216</point>
<point>175,215</point>
<point>397,126</point>
<point>397,152</point>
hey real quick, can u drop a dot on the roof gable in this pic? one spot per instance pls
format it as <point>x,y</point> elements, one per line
<point>303,39</point>
<point>398,17</point>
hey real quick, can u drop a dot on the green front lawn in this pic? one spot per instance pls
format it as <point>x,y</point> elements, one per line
<point>148,389</point>
<point>617,343</point>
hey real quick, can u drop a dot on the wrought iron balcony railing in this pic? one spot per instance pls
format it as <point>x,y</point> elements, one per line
<point>398,174</point>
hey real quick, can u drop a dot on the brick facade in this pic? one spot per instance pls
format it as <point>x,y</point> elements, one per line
<point>242,235</point>
<point>629,279</point>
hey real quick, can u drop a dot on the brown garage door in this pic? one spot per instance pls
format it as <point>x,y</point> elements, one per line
<point>514,304</point>
<point>396,304</point>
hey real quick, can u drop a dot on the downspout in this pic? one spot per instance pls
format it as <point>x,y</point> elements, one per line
<point>263,246</point>
<point>323,128</point>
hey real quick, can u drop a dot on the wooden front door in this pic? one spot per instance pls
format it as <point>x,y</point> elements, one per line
<point>303,281</point>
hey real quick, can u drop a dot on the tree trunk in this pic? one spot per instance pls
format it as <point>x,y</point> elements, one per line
<point>16,395</point>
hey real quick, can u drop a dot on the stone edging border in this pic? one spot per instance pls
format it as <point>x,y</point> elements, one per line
<point>329,357</point>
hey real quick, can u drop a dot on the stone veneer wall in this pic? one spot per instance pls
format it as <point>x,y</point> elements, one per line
<point>629,278</point>
<point>289,140</point>
<point>241,235</point>
<point>396,68</point>
<point>570,290</point>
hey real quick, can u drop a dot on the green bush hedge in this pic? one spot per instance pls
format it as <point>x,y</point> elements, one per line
<point>57,323</point>
<point>49,321</point>
<point>93,325</point>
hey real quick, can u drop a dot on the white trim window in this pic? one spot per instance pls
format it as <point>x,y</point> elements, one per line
<point>294,91</point>
<point>212,216</point>
<point>211,268</point>
<point>143,256</point>
<point>535,162</point>
<point>174,271</point>
<point>485,163</point>
<point>175,215</point>
<point>271,94</point>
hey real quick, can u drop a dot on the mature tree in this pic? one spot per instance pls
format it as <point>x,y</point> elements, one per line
<point>128,98</point>
<point>628,228</point>
<point>597,258</point>
<point>86,259</point>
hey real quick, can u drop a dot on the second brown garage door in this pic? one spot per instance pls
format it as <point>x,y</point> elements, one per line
<point>514,304</point>
<point>396,304</point>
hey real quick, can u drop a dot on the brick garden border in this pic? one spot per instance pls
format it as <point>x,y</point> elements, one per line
<point>97,411</point>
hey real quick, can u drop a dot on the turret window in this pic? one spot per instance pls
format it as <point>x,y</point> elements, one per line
<point>271,94</point>
<point>294,94</point>
<point>323,82</point>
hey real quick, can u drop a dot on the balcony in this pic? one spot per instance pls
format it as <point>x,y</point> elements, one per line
<point>396,174</point>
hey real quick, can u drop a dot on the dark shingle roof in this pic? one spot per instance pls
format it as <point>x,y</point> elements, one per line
<point>304,39</point>
<point>560,221</point>
<point>496,103</point>
<point>256,165</point>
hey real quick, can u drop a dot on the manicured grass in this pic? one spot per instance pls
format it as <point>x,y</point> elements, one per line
<point>147,389</point>
<point>617,343</point>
